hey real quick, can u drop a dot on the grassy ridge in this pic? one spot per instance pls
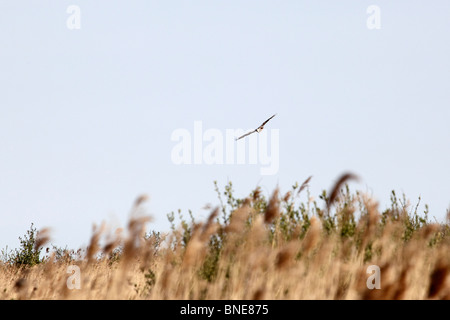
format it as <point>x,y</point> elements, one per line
<point>252,248</point>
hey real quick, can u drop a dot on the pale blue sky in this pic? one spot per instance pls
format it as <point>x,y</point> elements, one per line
<point>86,116</point>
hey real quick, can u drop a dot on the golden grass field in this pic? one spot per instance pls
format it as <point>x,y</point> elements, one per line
<point>252,248</point>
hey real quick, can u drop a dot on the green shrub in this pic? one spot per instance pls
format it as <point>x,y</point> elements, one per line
<point>29,252</point>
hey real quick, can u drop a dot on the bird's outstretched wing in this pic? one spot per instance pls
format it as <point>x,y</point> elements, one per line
<point>248,133</point>
<point>263,124</point>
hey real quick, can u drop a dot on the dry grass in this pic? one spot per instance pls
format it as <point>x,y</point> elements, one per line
<point>262,250</point>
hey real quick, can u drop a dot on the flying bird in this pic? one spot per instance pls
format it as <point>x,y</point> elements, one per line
<point>257,129</point>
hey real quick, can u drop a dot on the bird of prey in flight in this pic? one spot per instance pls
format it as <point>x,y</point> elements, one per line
<point>257,129</point>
